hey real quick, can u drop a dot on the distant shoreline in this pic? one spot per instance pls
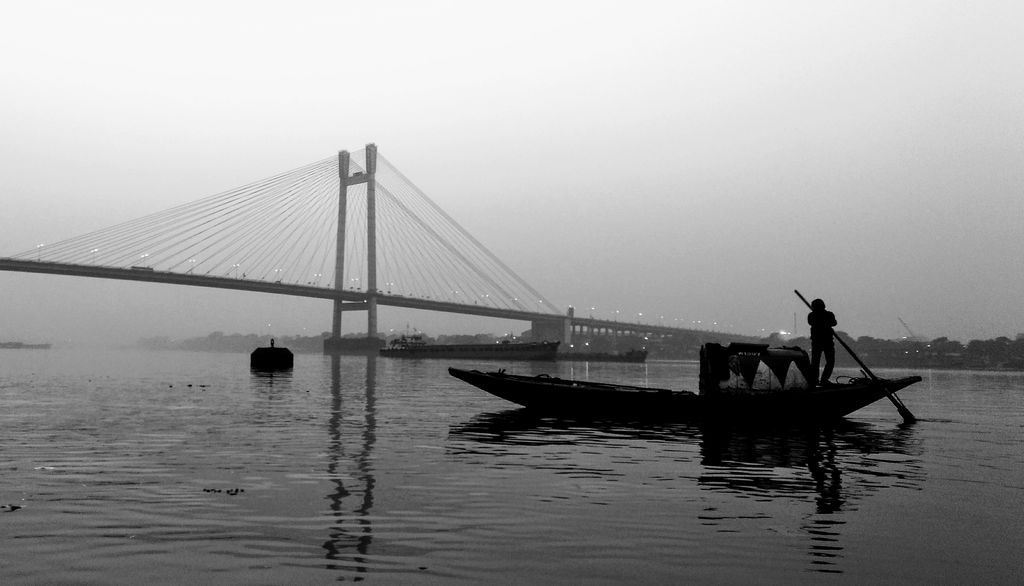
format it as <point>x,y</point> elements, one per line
<point>997,355</point>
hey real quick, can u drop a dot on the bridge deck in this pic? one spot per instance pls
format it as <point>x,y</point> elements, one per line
<point>355,300</point>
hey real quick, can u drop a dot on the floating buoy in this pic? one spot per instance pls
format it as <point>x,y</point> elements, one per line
<point>271,358</point>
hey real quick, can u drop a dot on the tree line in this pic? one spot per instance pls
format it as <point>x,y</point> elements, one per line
<point>1000,353</point>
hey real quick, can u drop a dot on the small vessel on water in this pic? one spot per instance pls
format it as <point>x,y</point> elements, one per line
<point>741,381</point>
<point>413,346</point>
<point>271,358</point>
<point>24,346</point>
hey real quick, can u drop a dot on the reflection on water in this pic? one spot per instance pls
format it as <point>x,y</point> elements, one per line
<point>834,466</point>
<point>353,530</point>
<point>844,463</point>
<point>270,378</point>
<point>743,459</point>
<point>175,468</point>
<point>272,381</point>
<point>349,442</point>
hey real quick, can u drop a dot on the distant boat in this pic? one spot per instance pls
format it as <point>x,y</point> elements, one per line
<point>415,347</point>
<point>271,358</point>
<point>743,381</point>
<point>24,346</point>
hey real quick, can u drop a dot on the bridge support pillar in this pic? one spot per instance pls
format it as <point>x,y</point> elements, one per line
<point>339,249</point>
<point>334,343</point>
<point>555,328</point>
<point>567,326</point>
<point>371,241</point>
<point>371,317</point>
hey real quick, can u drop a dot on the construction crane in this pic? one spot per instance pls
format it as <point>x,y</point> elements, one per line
<point>913,337</point>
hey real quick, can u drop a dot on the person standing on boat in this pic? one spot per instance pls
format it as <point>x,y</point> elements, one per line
<point>822,322</point>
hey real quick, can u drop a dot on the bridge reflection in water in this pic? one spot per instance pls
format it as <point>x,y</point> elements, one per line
<point>350,537</point>
<point>351,435</point>
<point>755,469</point>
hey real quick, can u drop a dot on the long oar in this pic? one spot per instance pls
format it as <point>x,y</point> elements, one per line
<point>904,412</point>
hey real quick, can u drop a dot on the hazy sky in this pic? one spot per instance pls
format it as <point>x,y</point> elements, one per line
<point>692,160</point>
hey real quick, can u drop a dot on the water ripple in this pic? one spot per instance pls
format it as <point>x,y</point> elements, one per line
<point>390,470</point>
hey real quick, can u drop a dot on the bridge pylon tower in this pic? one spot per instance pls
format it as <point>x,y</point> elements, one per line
<point>345,179</point>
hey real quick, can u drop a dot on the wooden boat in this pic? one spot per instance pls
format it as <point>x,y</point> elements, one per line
<point>414,347</point>
<point>754,383</point>
<point>560,396</point>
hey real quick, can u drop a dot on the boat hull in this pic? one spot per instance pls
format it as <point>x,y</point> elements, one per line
<point>565,397</point>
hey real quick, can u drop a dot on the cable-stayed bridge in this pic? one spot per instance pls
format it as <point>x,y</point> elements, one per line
<point>349,228</point>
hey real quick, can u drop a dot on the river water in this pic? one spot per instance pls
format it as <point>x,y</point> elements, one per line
<point>173,467</point>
